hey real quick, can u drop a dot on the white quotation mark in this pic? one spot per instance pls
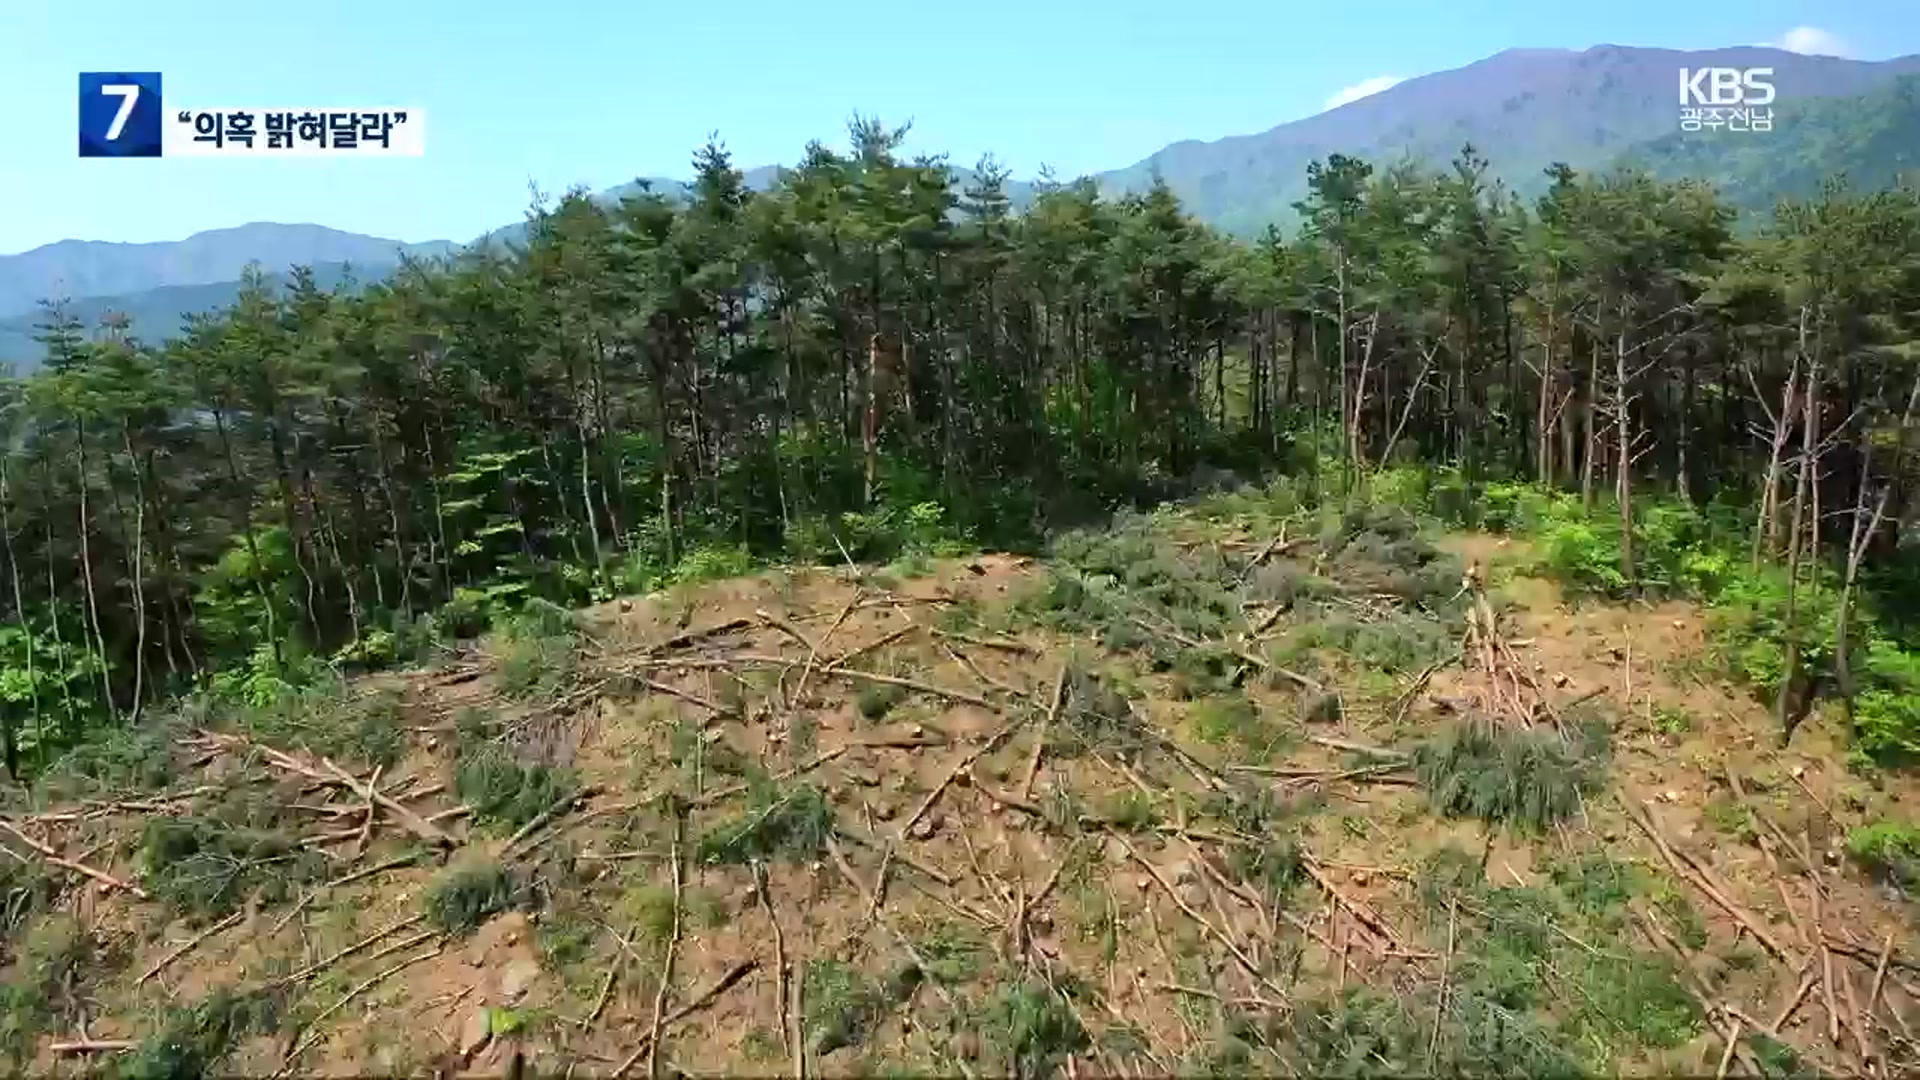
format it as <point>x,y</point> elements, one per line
<point>128,93</point>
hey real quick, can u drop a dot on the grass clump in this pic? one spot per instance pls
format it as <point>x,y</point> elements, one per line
<point>1263,854</point>
<point>43,987</point>
<point>203,867</point>
<point>843,1006</point>
<point>1395,644</point>
<point>1028,1031</point>
<point>1109,579</point>
<point>122,758</point>
<point>462,898</point>
<point>1097,718</point>
<point>1232,721</point>
<point>1526,779</point>
<point>875,700</point>
<point>536,651</point>
<point>792,826</point>
<point>327,719</point>
<point>1558,950</point>
<point>1363,1033</point>
<point>505,792</point>
<point>192,1040</point>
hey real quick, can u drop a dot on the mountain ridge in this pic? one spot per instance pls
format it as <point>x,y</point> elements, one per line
<point>94,268</point>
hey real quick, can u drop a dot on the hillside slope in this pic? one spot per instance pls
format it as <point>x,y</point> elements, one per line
<point>1874,139</point>
<point>1193,797</point>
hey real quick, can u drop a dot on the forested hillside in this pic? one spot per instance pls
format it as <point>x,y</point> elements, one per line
<point>844,361</point>
<point>591,656</point>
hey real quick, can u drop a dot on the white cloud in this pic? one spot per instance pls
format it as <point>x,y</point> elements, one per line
<point>1812,41</point>
<point>1363,88</point>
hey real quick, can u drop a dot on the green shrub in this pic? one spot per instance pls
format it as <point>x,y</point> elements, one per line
<point>462,898</point>
<point>793,826</point>
<point>502,791</point>
<point>1888,849</point>
<point>1526,778</point>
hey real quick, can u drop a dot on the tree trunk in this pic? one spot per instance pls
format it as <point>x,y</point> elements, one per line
<point>1623,444</point>
<point>1788,713</point>
<point>138,557</point>
<point>86,572</point>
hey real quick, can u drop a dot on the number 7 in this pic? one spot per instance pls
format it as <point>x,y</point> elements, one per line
<point>128,93</point>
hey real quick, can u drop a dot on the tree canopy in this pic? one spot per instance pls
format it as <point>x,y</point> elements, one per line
<point>864,352</point>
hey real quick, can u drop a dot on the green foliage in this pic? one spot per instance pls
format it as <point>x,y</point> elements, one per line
<point>43,984</point>
<point>1704,553</point>
<point>351,471</point>
<point>1233,721</point>
<point>119,759</point>
<point>463,897</point>
<point>534,658</point>
<point>1605,999</point>
<point>1527,779</point>
<point>713,562</point>
<point>326,718</point>
<point>842,1005</point>
<point>1362,1033</point>
<point>1888,849</point>
<point>1886,714</point>
<point>793,826</point>
<point>266,681</point>
<point>893,530</point>
<point>1395,644</point>
<point>204,866</point>
<point>192,1040</point>
<point>505,792</point>
<point>875,700</point>
<point>1027,1030</point>
<point>46,687</point>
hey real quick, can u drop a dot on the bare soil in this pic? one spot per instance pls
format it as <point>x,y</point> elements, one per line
<point>986,841</point>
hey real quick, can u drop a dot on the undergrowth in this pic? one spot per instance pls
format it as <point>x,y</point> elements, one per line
<point>462,898</point>
<point>203,866</point>
<point>1529,779</point>
<point>504,792</point>
<point>792,826</point>
<point>1706,553</point>
<point>193,1039</point>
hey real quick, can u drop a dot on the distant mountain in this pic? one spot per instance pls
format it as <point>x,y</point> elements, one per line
<point>1874,138</point>
<point>1523,109</point>
<point>158,313</point>
<point>86,268</point>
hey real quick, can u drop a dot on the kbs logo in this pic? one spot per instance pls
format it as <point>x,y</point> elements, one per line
<point>1736,99</point>
<point>1726,86</point>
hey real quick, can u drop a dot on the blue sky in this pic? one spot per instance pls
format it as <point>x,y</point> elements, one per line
<point>596,93</point>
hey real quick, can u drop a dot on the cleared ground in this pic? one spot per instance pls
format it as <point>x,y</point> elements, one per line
<point>1215,789</point>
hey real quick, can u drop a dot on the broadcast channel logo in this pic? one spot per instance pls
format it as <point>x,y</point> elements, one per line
<point>120,114</point>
